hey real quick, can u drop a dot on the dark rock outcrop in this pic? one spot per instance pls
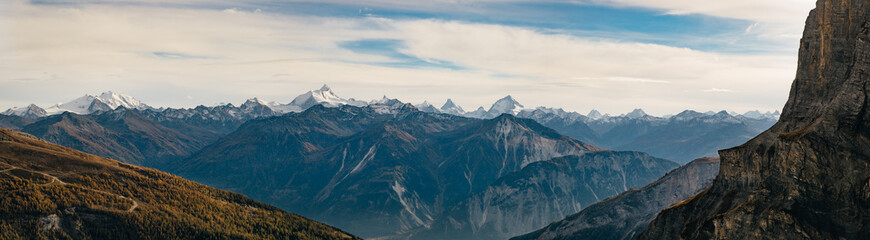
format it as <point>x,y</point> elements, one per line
<point>807,176</point>
<point>625,215</point>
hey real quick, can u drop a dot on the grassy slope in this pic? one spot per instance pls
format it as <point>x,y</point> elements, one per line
<point>49,191</point>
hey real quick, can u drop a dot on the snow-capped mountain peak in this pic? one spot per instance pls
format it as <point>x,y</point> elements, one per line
<point>254,101</point>
<point>106,101</point>
<point>31,111</point>
<point>114,100</point>
<point>79,105</point>
<point>390,106</point>
<point>324,96</point>
<point>451,108</point>
<point>505,105</point>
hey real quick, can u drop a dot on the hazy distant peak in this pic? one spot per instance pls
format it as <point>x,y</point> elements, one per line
<point>479,113</point>
<point>636,113</point>
<point>689,114</point>
<point>425,103</point>
<point>755,114</point>
<point>594,114</point>
<point>427,107</point>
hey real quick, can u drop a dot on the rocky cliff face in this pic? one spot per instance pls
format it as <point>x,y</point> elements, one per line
<point>625,215</point>
<point>546,191</point>
<point>807,176</point>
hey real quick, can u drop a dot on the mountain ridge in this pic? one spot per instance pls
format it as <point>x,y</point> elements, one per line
<point>400,168</point>
<point>50,191</point>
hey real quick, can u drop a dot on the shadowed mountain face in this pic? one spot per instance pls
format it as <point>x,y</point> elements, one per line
<point>807,176</point>
<point>379,172</point>
<point>142,137</point>
<point>48,192</point>
<point>14,122</point>
<point>122,134</point>
<point>622,217</point>
<point>544,191</point>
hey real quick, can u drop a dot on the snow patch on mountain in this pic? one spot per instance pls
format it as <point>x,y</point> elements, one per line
<point>31,111</point>
<point>451,108</point>
<point>88,104</point>
<point>505,105</point>
<point>323,96</point>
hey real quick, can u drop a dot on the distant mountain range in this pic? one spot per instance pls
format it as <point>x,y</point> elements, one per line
<point>681,137</point>
<point>390,170</point>
<point>53,192</point>
<point>419,172</point>
<point>325,96</point>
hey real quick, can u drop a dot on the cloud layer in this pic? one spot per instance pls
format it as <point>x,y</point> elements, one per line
<point>185,56</point>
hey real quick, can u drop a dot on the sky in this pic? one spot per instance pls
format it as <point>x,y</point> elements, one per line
<point>663,56</point>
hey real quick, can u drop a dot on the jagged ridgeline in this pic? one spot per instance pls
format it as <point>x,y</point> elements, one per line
<point>807,176</point>
<point>53,192</point>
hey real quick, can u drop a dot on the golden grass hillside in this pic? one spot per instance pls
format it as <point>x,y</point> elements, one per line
<point>52,192</point>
